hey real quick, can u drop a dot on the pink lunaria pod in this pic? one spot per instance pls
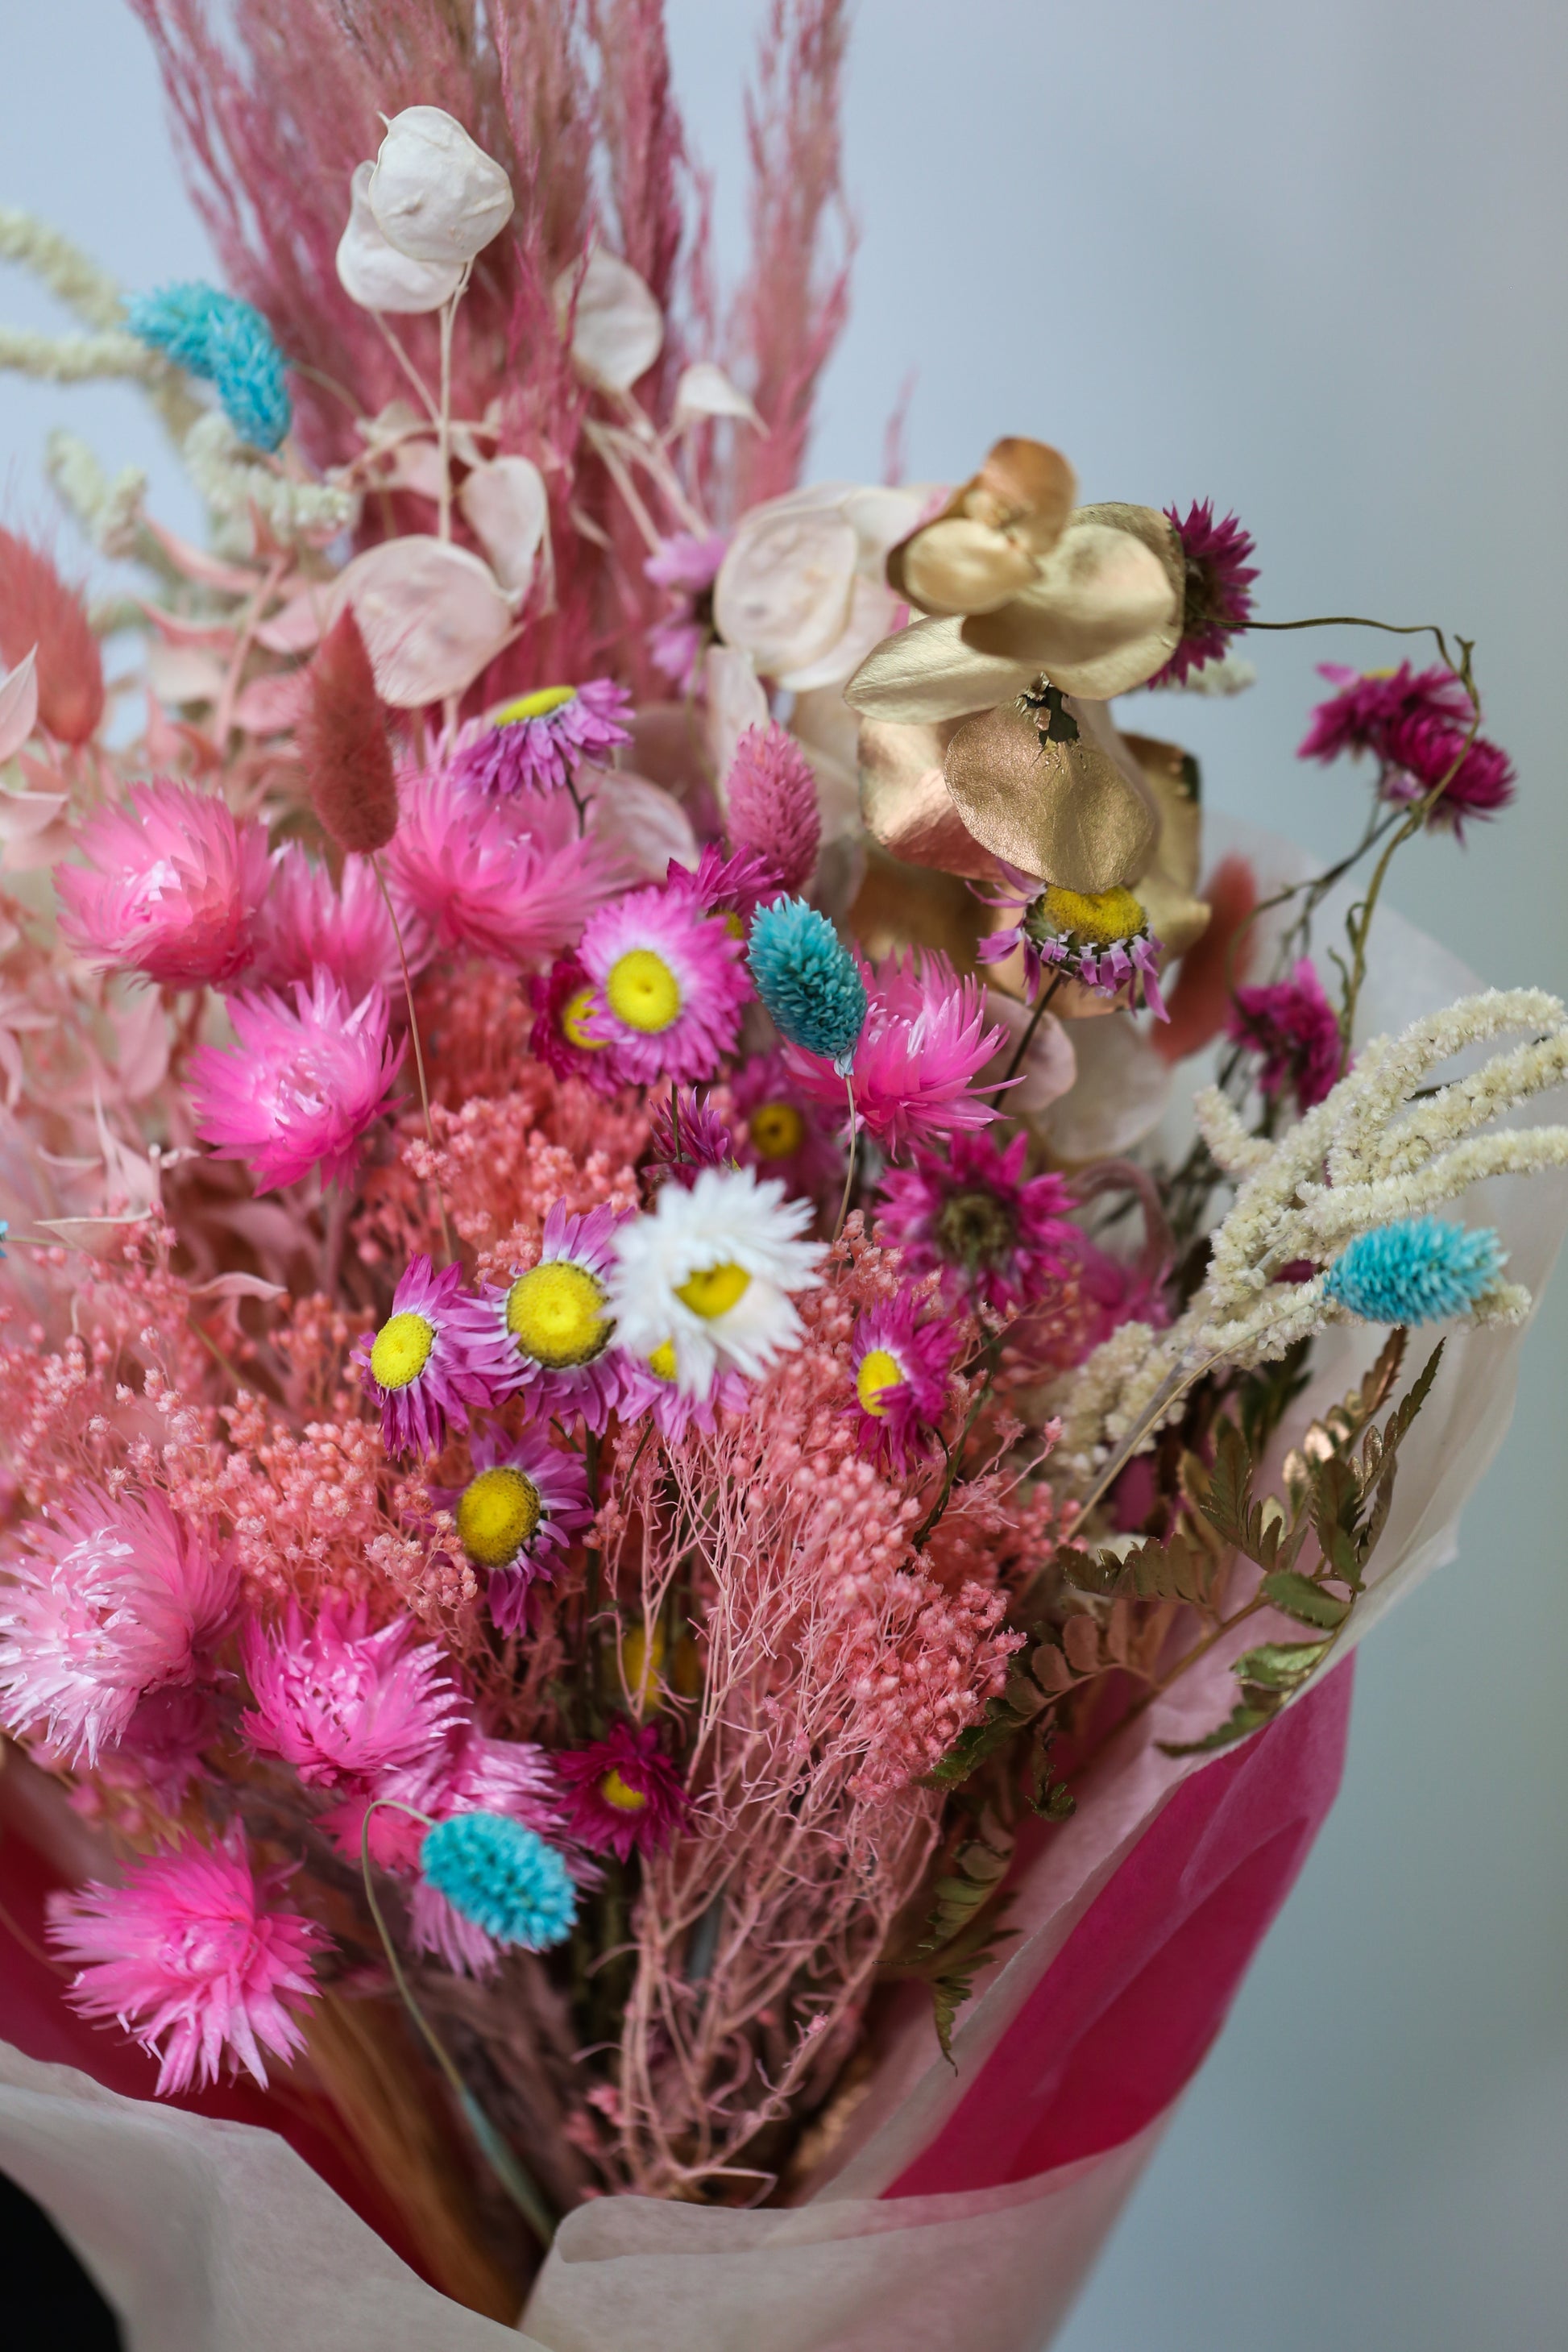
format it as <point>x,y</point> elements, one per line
<point>171,889</point>
<point>374,273</point>
<point>705,391</point>
<point>507,507</point>
<point>615,326</point>
<point>436,195</point>
<point>300,1086</point>
<point>432,615</point>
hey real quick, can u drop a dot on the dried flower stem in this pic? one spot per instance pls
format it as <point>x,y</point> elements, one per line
<point>418,1050</point>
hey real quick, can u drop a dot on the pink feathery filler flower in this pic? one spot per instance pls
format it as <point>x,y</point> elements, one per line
<point>1415,723</point>
<point>924,1042</point>
<point>562,1036</point>
<point>1218,588</point>
<point>1293,1026</point>
<point>769,794</point>
<point>687,566</point>
<point>992,1232</point>
<point>671,983</point>
<point>194,1956</point>
<point>172,888</point>
<point>524,1501</point>
<point>551,1327</point>
<point>431,1360</point>
<point>301,1085</point>
<point>111,1600</point>
<point>785,1134</point>
<point>538,741</point>
<point>900,1367</point>
<point>623,1793</point>
<point>513,877</point>
<point>341,1704</point>
<point>464,1772</point>
<point>308,923</point>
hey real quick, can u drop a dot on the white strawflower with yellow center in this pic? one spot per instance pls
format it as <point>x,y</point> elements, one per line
<point>707,1275</point>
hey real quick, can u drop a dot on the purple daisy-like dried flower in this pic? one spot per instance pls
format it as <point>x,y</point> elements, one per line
<point>787,1135</point>
<point>431,1360</point>
<point>687,567</point>
<point>564,1037</point>
<point>523,1501</point>
<point>538,741</point>
<point>1293,1026</point>
<point>551,1328</point>
<point>1218,589</point>
<point>670,985</point>
<point>623,1793</point>
<point>900,1367</point>
<point>992,1232</point>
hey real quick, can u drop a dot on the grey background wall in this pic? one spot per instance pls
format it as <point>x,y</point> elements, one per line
<point>1309,259</point>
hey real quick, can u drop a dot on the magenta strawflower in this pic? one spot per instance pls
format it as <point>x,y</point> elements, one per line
<point>342,1703</point>
<point>431,1361</point>
<point>172,888</point>
<point>993,1233</point>
<point>770,798</point>
<point>684,1135</point>
<point>523,1502</point>
<point>1295,1030</point>
<point>299,1089</point>
<point>1413,723</point>
<point>1218,588</point>
<point>623,1793</point>
<point>194,1957</point>
<point>307,921</point>
<point>550,1328</point>
<point>538,741</point>
<point>925,1041</point>
<point>900,1367</point>
<point>511,878</point>
<point>786,1133</point>
<point>562,1036</point>
<point>687,566</point>
<point>110,1599</point>
<point>670,983</point>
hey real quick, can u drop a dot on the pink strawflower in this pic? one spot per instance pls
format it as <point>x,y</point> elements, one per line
<point>1413,722</point>
<point>112,1598</point>
<point>901,1368</point>
<point>523,1502</point>
<point>924,1042</point>
<point>992,1232</point>
<point>771,797</point>
<point>512,878</point>
<point>685,1135</point>
<point>344,929</point>
<point>687,566</point>
<point>301,1085</point>
<point>172,888</point>
<point>166,1739</point>
<point>670,985</point>
<point>550,1329</point>
<point>193,1958</point>
<point>467,1772</point>
<point>785,1134</point>
<point>538,741</point>
<point>623,1793</point>
<point>562,1036</point>
<point>342,1705</point>
<point>1218,598</point>
<point>1293,1026</point>
<point>431,1361</point>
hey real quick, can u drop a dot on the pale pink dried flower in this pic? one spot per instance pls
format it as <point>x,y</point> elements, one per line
<point>305,921</point>
<point>172,887</point>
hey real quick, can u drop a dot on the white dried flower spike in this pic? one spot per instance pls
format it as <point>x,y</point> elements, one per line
<point>375,274</point>
<point>616,326</point>
<point>436,195</point>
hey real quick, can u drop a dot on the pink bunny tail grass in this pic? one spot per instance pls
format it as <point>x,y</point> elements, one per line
<point>343,744</point>
<point>36,608</point>
<point>771,795</point>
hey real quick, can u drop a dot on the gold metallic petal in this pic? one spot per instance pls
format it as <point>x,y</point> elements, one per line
<point>904,800</point>
<point>1171,775</point>
<point>1103,615</point>
<point>1030,488</point>
<point>900,906</point>
<point>1062,811</point>
<point>958,565</point>
<point>927,672</point>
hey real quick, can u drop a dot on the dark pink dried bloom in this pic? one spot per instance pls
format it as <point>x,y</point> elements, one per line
<point>687,566</point>
<point>300,1086</point>
<point>992,1232</point>
<point>431,1361</point>
<point>167,1738</point>
<point>1218,598</point>
<point>193,1958</point>
<point>924,1042</point>
<point>1413,722</point>
<point>468,1772</point>
<point>622,1793</point>
<point>671,983</point>
<point>306,920</point>
<point>900,1367</point>
<point>172,888</point>
<point>1293,1026</point>
<point>538,742</point>
<point>512,878</point>
<point>732,887</point>
<point>771,797</point>
<point>685,1135</point>
<point>786,1134</point>
<point>562,1038</point>
<point>342,1705</point>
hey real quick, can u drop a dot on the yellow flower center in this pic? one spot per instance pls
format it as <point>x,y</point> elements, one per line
<point>734,926</point>
<point>642,1662</point>
<point>776,1129</point>
<point>714,1289</point>
<point>879,1373</point>
<point>621,1794</point>
<point>575,1014</point>
<point>402,1349</point>
<point>1104,918</point>
<point>533,705</point>
<point>662,1363</point>
<point>498,1511</point>
<point>555,1312</point>
<point>643,992</point>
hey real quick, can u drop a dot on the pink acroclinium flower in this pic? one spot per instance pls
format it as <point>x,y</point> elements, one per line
<point>670,985</point>
<point>308,923</point>
<point>673,1409</point>
<point>926,1039</point>
<point>1294,1029</point>
<point>1413,722</point>
<point>687,566</point>
<point>991,1231</point>
<point>172,888</point>
<point>511,879</point>
<point>562,1036</point>
<point>786,1135</point>
<point>301,1085</point>
<point>521,747</point>
<point>1218,598</point>
<point>899,1365</point>
<point>194,1956</point>
<point>771,797</point>
<point>549,1326</point>
<point>523,1502</point>
<point>111,1600</point>
<point>342,1705</point>
<point>431,1361</point>
<point>623,1793</point>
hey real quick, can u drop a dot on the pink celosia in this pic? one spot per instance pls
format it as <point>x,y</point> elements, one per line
<point>899,1365</point>
<point>771,799</point>
<point>1218,588</point>
<point>512,878</point>
<point>112,1598</point>
<point>684,1135</point>
<point>523,1502</point>
<point>785,1134</point>
<point>623,1794</point>
<point>306,923</point>
<point>562,1038</point>
<point>925,1041</point>
<point>172,888</point>
<point>670,985</point>
<point>549,1326</point>
<point>991,1231</point>
<point>341,1704</point>
<point>1415,723</point>
<point>537,743</point>
<point>687,566</point>
<point>301,1085</point>
<point>1294,1029</point>
<point>195,1957</point>
<point>431,1361</point>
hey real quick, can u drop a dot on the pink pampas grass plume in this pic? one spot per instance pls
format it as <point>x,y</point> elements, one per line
<point>38,609</point>
<point>341,1704</point>
<point>192,1955</point>
<point>341,740</point>
<point>771,795</point>
<point>513,880</point>
<point>301,1085</point>
<point>172,888</point>
<point>306,921</point>
<point>924,1042</point>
